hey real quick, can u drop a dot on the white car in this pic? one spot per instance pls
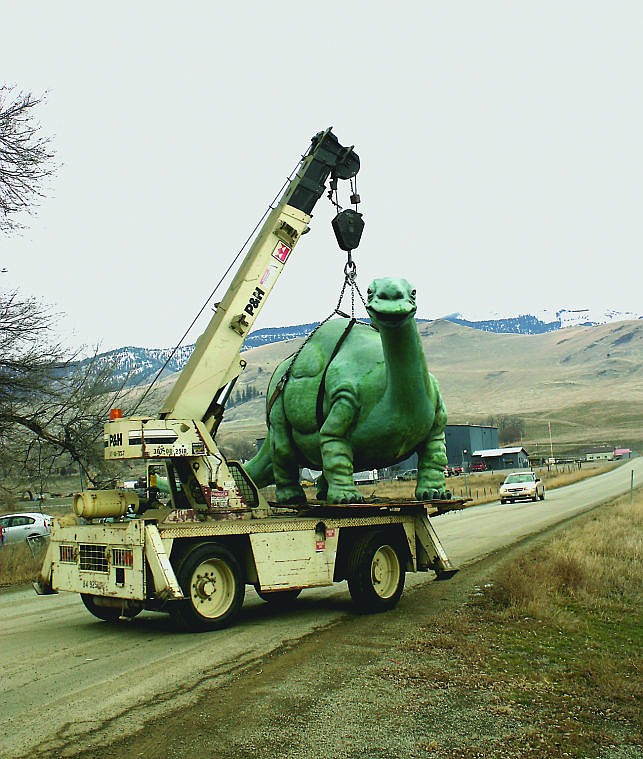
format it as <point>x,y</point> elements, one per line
<point>17,528</point>
<point>519,485</point>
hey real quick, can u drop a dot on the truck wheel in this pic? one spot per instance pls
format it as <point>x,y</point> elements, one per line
<point>278,597</point>
<point>213,586</point>
<point>376,572</point>
<point>106,613</point>
<point>542,496</point>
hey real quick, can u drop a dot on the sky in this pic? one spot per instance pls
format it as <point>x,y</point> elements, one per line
<point>500,146</point>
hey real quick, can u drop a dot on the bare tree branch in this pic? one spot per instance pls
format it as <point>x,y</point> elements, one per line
<point>50,404</point>
<point>26,156</point>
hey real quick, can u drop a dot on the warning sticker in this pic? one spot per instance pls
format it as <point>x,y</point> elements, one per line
<point>281,252</point>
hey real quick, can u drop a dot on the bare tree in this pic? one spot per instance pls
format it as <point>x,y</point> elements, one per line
<point>52,407</point>
<point>26,156</point>
<point>510,428</point>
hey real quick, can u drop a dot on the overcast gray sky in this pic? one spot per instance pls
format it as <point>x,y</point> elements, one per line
<point>501,149</point>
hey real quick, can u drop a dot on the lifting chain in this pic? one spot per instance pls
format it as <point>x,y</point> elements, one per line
<point>350,280</point>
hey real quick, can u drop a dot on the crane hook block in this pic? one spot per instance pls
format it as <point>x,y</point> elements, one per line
<point>348,226</point>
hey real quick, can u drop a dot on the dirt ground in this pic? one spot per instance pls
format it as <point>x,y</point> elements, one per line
<point>336,694</point>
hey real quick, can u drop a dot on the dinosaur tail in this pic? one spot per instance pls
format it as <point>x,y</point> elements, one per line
<point>260,466</point>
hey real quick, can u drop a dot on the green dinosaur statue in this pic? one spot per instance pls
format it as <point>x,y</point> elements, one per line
<point>355,398</point>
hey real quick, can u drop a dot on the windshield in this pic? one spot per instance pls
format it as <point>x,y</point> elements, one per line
<point>520,478</point>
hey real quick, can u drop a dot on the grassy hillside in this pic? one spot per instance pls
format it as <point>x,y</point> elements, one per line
<point>586,381</point>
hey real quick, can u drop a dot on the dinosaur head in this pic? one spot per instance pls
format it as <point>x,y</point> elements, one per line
<point>391,302</point>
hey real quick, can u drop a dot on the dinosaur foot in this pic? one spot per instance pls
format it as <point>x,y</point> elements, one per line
<point>432,494</point>
<point>290,494</point>
<point>343,495</point>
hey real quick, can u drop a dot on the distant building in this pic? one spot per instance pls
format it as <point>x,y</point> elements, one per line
<point>622,453</point>
<point>501,458</point>
<point>462,439</point>
<point>600,454</point>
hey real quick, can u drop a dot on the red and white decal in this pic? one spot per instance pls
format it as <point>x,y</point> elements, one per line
<point>281,252</point>
<point>330,532</point>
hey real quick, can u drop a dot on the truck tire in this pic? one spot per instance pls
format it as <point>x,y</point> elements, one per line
<point>212,583</point>
<point>376,572</point>
<point>278,597</point>
<point>106,613</point>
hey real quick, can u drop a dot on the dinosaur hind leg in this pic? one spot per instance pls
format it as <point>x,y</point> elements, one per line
<point>284,458</point>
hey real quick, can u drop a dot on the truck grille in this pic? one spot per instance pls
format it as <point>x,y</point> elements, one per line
<point>247,488</point>
<point>93,558</point>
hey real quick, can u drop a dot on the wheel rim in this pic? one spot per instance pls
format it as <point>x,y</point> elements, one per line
<point>212,588</point>
<point>385,571</point>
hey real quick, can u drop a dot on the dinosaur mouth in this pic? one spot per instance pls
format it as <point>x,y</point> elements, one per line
<point>390,318</point>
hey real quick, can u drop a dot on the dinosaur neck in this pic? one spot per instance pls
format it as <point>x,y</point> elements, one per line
<point>405,366</point>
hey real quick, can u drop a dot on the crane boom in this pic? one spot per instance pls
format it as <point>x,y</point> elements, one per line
<point>215,361</point>
<point>182,436</point>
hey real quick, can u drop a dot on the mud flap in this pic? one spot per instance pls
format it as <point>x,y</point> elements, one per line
<point>430,552</point>
<point>42,585</point>
<point>165,583</point>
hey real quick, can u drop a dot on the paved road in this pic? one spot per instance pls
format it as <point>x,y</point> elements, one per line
<point>70,681</point>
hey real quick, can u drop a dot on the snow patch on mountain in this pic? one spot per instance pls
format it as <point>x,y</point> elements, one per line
<point>543,320</point>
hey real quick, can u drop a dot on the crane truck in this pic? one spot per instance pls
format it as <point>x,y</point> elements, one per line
<point>193,553</point>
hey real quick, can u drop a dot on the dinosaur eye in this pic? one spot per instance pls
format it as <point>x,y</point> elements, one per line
<point>370,293</point>
<point>413,293</point>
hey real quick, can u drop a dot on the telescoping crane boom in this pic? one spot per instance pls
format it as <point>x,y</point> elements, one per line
<point>183,433</point>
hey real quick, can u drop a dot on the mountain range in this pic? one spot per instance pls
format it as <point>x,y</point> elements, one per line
<point>584,383</point>
<point>135,366</point>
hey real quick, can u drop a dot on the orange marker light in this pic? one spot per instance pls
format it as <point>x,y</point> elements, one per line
<point>115,413</point>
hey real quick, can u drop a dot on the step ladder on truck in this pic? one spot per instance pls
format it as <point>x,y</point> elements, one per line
<point>205,532</point>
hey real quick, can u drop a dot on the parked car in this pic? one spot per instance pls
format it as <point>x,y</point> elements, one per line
<point>519,485</point>
<point>409,474</point>
<point>16,528</point>
<point>456,470</point>
<point>479,466</point>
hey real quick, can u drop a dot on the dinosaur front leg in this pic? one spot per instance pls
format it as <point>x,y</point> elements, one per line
<point>432,459</point>
<point>336,448</point>
<point>284,458</point>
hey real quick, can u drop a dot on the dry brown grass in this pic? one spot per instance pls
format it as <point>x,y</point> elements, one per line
<point>546,653</point>
<point>19,563</point>
<point>597,565</point>
<point>483,487</point>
